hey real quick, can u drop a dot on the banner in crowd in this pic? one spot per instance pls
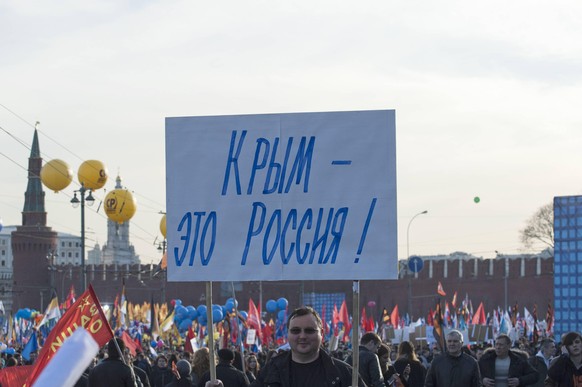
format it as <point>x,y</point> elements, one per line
<point>308,196</point>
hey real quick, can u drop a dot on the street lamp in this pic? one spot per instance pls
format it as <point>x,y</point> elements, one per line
<point>89,200</point>
<point>92,175</point>
<point>408,257</point>
<point>408,232</point>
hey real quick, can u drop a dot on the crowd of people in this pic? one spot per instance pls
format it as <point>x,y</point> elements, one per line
<point>306,362</point>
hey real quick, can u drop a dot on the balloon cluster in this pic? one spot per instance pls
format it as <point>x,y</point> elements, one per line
<point>184,316</point>
<point>279,305</point>
<point>26,313</point>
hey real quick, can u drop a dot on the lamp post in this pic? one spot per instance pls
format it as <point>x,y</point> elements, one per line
<point>408,257</point>
<point>408,232</point>
<point>89,200</point>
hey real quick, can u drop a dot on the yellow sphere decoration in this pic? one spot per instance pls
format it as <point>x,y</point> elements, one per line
<point>163,226</point>
<point>56,175</point>
<point>120,205</point>
<point>92,174</point>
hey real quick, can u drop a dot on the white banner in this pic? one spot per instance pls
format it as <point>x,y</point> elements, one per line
<point>308,196</point>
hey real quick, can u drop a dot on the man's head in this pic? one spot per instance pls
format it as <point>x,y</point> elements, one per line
<point>184,368</point>
<point>502,346</point>
<point>112,349</point>
<point>305,334</point>
<point>384,354</point>
<point>454,342</point>
<point>371,341</point>
<point>548,348</point>
<point>225,355</point>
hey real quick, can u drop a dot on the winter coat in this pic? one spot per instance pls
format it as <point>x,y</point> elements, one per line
<point>111,372</point>
<point>453,371</point>
<point>518,366</point>
<point>562,373</point>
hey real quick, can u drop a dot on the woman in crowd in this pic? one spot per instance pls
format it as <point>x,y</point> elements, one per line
<point>200,364</point>
<point>251,367</point>
<point>409,366</point>
<point>391,378</point>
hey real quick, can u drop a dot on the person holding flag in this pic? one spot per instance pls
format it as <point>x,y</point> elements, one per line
<point>113,371</point>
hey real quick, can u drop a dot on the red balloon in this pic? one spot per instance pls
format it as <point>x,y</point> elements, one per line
<point>371,304</point>
<point>173,302</point>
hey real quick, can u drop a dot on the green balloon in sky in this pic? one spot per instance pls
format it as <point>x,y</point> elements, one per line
<point>476,199</point>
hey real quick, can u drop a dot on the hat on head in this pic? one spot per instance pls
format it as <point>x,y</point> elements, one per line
<point>184,367</point>
<point>112,348</point>
<point>225,354</point>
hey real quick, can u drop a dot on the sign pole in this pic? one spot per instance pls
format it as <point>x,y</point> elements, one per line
<point>210,330</point>
<point>356,333</point>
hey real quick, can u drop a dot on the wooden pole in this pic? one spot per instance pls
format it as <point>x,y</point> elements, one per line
<point>210,331</point>
<point>356,333</point>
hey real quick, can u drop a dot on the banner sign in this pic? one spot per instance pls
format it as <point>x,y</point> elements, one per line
<point>308,196</point>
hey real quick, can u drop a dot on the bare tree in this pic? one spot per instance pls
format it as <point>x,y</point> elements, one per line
<point>540,227</point>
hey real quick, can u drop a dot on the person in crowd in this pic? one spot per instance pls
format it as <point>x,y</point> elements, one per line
<point>112,372</point>
<point>200,364</point>
<point>226,372</point>
<point>306,364</point>
<point>161,372</point>
<point>566,370</point>
<point>409,366</point>
<point>142,362</point>
<point>183,378</point>
<point>453,368</point>
<point>141,376</point>
<point>541,361</point>
<point>369,366</point>
<point>504,366</point>
<point>252,367</point>
<point>391,377</point>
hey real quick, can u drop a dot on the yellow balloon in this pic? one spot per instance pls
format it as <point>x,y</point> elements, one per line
<point>92,174</point>
<point>56,175</point>
<point>120,205</point>
<point>163,226</point>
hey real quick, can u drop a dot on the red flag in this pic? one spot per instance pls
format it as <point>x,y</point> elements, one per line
<point>364,319</point>
<point>325,326</point>
<point>395,317</point>
<point>189,336</point>
<point>440,290</point>
<point>86,312</point>
<point>454,303</point>
<point>335,318</point>
<point>129,343</point>
<point>345,319</point>
<point>479,316</point>
<point>430,317</point>
<point>15,376</point>
<point>254,319</point>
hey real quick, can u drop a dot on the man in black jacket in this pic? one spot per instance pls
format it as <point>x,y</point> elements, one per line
<point>306,364</point>
<point>369,366</point>
<point>112,371</point>
<point>226,372</point>
<point>507,365</point>
<point>453,368</point>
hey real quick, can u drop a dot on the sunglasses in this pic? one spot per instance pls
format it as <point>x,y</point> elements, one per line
<point>307,331</point>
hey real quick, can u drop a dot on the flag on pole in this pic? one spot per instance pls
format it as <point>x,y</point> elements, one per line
<point>395,317</point>
<point>86,312</point>
<point>31,346</point>
<point>440,289</point>
<point>550,320</point>
<point>52,312</point>
<point>454,303</point>
<point>438,328</point>
<point>254,318</point>
<point>479,316</point>
<point>168,322</point>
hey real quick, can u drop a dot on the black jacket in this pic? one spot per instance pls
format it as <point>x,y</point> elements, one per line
<point>369,367</point>
<point>539,364</point>
<point>111,372</point>
<point>449,371</point>
<point>417,372</point>
<point>161,376</point>
<point>562,372</point>
<point>228,374</point>
<point>518,366</point>
<point>276,372</point>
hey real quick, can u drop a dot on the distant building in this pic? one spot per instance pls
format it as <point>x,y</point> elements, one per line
<point>6,267</point>
<point>568,264</point>
<point>118,250</point>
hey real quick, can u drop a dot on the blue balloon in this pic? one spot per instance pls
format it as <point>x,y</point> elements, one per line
<point>153,343</point>
<point>229,306</point>
<point>10,351</point>
<point>181,311</point>
<point>177,302</point>
<point>244,314</point>
<point>178,318</point>
<point>184,325</point>
<point>201,310</point>
<point>202,318</point>
<point>192,312</point>
<point>271,306</point>
<point>234,302</point>
<point>281,315</point>
<point>217,316</point>
<point>224,311</point>
<point>282,303</point>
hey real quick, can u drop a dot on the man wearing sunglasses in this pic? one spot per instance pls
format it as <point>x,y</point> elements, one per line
<point>307,364</point>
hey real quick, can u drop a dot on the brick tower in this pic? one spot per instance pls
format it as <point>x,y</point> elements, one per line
<point>32,242</point>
